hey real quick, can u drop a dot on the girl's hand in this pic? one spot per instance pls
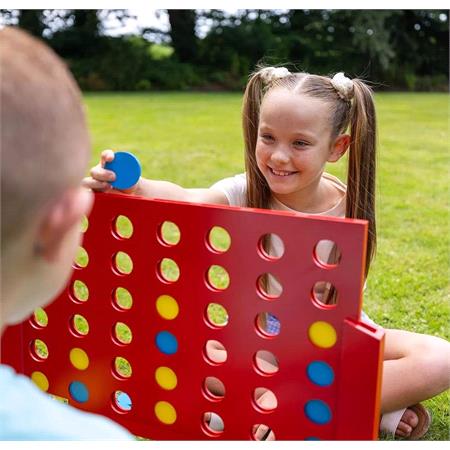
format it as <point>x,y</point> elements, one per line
<point>100,177</point>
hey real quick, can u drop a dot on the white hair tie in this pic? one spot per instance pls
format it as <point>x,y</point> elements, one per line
<point>343,86</point>
<point>269,74</point>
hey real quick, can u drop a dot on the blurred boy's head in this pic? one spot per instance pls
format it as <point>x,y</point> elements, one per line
<point>45,150</point>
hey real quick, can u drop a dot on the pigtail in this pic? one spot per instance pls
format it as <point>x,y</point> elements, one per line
<point>258,191</point>
<point>362,163</point>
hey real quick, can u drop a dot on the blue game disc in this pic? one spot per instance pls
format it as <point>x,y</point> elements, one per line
<point>320,373</point>
<point>127,169</point>
<point>79,391</point>
<point>318,412</point>
<point>166,342</point>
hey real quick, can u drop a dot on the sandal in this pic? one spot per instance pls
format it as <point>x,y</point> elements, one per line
<point>389,421</point>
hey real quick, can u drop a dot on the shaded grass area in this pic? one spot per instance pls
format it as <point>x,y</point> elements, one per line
<point>195,139</point>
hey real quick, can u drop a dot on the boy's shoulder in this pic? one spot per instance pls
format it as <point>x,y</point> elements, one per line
<point>26,413</point>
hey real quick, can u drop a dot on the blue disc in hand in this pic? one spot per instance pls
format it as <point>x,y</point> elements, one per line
<point>127,169</point>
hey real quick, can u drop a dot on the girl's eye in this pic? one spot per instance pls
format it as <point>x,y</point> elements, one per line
<point>267,137</point>
<point>300,143</point>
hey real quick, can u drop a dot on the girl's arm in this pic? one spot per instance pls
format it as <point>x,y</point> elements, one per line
<point>100,178</point>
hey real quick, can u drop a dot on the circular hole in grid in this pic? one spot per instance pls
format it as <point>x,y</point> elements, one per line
<point>216,315</point>
<point>269,286</point>
<point>215,352</point>
<point>40,318</point>
<point>212,424</point>
<point>261,432</point>
<point>168,270</point>
<point>327,253</point>
<point>79,325</point>
<point>214,389</point>
<point>39,349</point>
<point>122,367</point>
<point>219,239</point>
<point>80,291</point>
<point>264,399</point>
<point>325,294</point>
<point>271,246</point>
<point>169,233</point>
<point>167,307</point>
<point>123,263</point>
<point>123,227</point>
<point>266,362</point>
<point>268,324</point>
<point>122,333</point>
<point>81,258</point>
<point>84,224</point>
<point>122,401</point>
<point>218,277</point>
<point>122,298</point>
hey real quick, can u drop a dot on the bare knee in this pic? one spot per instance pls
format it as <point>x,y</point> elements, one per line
<point>432,357</point>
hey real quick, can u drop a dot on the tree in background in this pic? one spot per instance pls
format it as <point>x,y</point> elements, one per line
<point>182,34</point>
<point>421,43</point>
<point>214,49</point>
<point>31,20</point>
<point>80,37</point>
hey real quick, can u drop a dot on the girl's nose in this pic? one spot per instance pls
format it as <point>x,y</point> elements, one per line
<point>280,155</point>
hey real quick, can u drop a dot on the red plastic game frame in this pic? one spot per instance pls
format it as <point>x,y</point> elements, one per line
<point>356,357</point>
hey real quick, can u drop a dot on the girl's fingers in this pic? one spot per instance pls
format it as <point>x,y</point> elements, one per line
<point>101,174</point>
<point>106,156</point>
<point>96,185</point>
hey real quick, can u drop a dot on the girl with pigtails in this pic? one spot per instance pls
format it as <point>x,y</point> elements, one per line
<point>293,124</point>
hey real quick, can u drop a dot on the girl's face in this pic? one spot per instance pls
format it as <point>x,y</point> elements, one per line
<point>294,143</point>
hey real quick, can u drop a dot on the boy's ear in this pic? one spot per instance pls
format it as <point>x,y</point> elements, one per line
<point>64,214</point>
<point>339,147</point>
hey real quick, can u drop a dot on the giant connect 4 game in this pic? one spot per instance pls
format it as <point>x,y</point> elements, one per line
<point>161,325</point>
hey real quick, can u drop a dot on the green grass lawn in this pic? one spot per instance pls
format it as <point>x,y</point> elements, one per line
<point>194,139</point>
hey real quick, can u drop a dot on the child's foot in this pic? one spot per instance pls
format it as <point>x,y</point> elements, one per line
<point>407,423</point>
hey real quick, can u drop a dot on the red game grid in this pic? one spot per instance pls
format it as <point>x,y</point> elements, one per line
<point>346,408</point>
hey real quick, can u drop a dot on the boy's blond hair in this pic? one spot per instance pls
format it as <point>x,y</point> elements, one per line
<point>44,138</point>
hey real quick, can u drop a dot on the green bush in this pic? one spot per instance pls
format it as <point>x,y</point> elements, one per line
<point>169,74</point>
<point>432,83</point>
<point>410,81</point>
<point>143,85</point>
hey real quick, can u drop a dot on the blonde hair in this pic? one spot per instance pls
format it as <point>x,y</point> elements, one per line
<point>349,108</point>
<point>44,139</point>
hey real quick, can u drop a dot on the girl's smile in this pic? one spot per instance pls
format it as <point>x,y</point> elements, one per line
<point>281,173</point>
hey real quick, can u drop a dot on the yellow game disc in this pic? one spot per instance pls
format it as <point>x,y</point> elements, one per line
<point>165,412</point>
<point>79,358</point>
<point>322,334</point>
<point>167,307</point>
<point>166,378</point>
<point>40,380</point>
